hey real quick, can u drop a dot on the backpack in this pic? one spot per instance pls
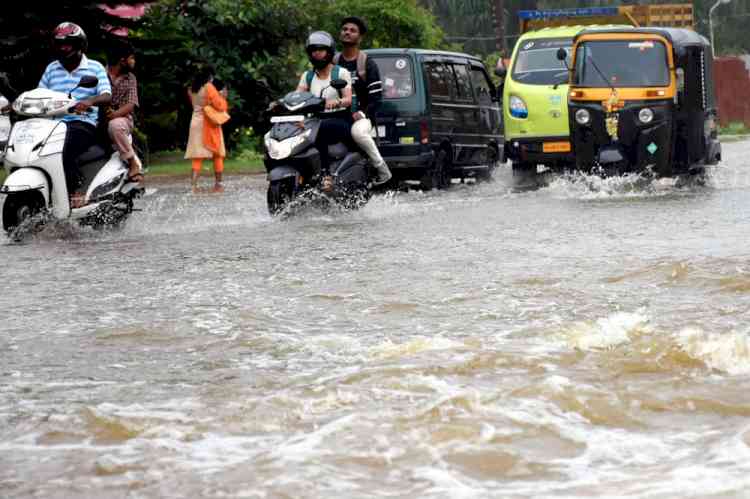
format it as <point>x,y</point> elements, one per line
<point>310,74</point>
<point>361,74</point>
<point>361,64</point>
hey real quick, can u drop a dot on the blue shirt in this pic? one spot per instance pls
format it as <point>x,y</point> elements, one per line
<point>57,78</point>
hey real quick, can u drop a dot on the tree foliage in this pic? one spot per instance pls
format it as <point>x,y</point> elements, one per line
<point>256,47</point>
<point>470,22</point>
<point>26,28</point>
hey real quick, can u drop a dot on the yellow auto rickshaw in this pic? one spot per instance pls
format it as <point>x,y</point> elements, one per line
<point>642,100</point>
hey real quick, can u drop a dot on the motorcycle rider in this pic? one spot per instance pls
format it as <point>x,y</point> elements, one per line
<point>336,124</point>
<point>120,65</point>
<point>368,91</point>
<point>62,75</point>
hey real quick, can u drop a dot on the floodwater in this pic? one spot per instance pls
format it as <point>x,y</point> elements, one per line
<point>586,339</point>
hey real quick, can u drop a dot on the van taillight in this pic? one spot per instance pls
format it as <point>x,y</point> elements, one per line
<point>424,132</point>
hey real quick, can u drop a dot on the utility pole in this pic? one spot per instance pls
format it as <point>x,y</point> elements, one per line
<point>498,16</point>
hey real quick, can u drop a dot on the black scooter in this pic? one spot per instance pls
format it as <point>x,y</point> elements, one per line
<point>293,162</point>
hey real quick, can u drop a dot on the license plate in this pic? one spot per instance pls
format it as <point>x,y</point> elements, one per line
<point>380,132</point>
<point>287,119</point>
<point>406,140</point>
<point>563,146</point>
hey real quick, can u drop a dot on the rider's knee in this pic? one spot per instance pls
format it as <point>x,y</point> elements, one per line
<point>361,130</point>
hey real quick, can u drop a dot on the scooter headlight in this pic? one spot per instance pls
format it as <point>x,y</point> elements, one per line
<point>280,149</point>
<point>36,107</point>
<point>646,115</point>
<point>583,117</point>
<point>518,107</point>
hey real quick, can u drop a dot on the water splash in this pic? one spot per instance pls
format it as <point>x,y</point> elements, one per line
<point>726,352</point>
<point>607,332</point>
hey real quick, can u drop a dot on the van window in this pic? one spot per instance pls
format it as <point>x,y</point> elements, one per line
<point>482,85</point>
<point>396,75</point>
<point>536,61</point>
<point>440,79</point>
<point>463,84</point>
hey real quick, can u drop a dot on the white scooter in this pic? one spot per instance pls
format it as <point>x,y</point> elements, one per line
<point>35,187</point>
<point>4,127</point>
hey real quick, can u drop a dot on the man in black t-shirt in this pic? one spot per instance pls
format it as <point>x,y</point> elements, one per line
<point>368,91</point>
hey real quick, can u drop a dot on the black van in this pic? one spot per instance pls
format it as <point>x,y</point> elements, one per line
<point>440,117</point>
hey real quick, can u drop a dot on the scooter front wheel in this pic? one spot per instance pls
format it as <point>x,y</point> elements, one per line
<point>279,195</point>
<point>19,210</point>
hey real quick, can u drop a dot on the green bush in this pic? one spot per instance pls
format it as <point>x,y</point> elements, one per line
<point>734,128</point>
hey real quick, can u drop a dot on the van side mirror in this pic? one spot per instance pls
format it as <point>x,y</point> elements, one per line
<point>338,84</point>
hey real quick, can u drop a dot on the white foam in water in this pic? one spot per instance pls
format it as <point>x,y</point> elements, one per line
<point>632,185</point>
<point>607,332</point>
<point>727,352</point>
<point>414,346</point>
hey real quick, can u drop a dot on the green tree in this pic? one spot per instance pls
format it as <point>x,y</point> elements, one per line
<point>256,47</point>
<point>26,28</point>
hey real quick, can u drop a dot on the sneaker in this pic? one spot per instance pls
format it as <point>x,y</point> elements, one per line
<point>384,174</point>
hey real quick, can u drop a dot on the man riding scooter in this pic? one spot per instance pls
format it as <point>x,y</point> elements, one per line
<point>120,64</point>
<point>63,75</point>
<point>368,91</point>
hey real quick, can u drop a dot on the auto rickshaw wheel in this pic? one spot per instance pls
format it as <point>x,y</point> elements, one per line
<point>523,168</point>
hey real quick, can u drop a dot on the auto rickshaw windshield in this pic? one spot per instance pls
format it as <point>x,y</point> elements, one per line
<point>621,63</point>
<point>537,63</point>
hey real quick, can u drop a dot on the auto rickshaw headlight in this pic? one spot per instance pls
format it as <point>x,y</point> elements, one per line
<point>583,117</point>
<point>646,115</point>
<point>518,107</point>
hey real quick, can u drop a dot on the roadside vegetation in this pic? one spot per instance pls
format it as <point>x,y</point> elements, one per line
<point>734,128</point>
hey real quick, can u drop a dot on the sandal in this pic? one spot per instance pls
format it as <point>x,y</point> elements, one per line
<point>136,178</point>
<point>77,200</point>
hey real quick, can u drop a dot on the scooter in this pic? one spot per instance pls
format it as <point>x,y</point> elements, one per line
<point>35,187</point>
<point>4,127</point>
<point>293,162</point>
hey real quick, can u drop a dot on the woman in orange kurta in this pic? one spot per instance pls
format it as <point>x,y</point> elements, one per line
<point>206,140</point>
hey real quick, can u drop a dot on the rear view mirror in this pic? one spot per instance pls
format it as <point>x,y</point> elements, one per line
<point>88,81</point>
<point>500,71</point>
<point>562,54</point>
<point>338,84</point>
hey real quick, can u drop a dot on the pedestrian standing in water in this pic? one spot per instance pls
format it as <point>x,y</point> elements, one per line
<point>206,139</point>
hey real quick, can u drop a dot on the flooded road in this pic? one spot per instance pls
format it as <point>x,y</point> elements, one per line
<point>586,339</point>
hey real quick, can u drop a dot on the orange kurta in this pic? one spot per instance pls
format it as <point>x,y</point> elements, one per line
<point>213,138</point>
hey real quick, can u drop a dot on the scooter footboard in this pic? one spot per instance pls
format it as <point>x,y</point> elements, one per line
<point>27,179</point>
<point>352,170</point>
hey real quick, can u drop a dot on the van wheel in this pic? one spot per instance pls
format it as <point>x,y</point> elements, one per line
<point>439,176</point>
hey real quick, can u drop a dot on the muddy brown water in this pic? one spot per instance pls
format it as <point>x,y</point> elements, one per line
<point>585,339</point>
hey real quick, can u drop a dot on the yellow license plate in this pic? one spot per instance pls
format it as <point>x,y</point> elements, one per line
<point>563,146</point>
<point>406,140</point>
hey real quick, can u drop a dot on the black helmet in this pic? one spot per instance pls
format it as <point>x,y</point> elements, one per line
<point>320,40</point>
<point>355,20</point>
